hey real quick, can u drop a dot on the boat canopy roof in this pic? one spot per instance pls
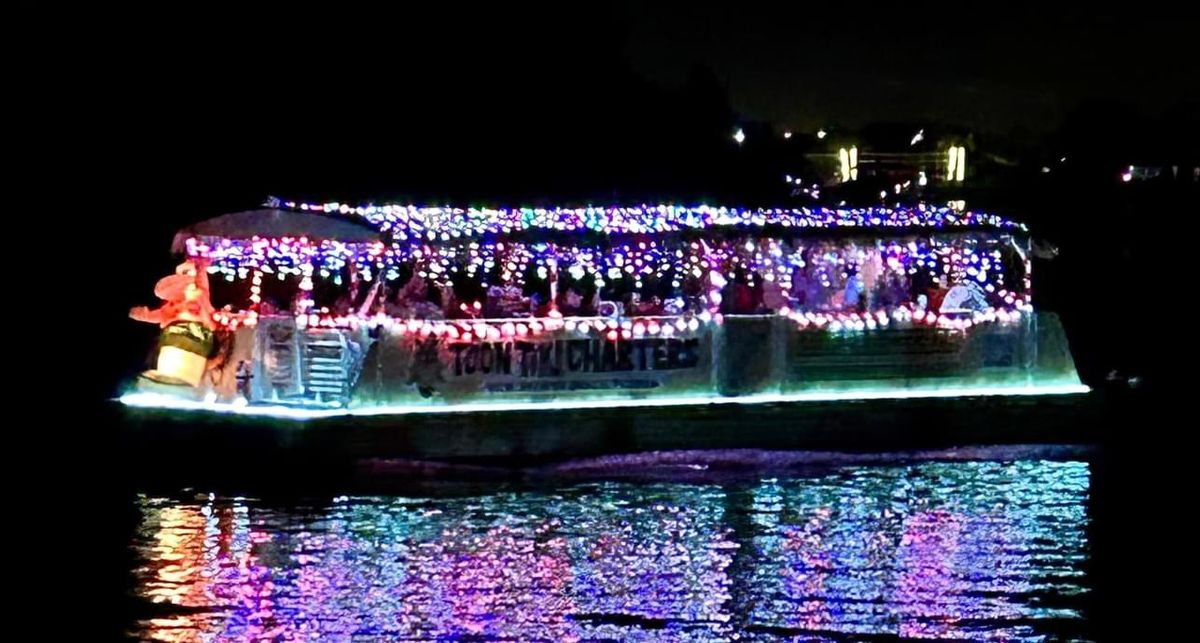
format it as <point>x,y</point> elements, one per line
<point>278,223</point>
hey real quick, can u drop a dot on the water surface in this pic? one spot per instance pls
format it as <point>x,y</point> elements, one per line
<point>968,550</point>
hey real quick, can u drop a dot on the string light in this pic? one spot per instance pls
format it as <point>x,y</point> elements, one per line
<point>475,245</point>
<point>409,222</point>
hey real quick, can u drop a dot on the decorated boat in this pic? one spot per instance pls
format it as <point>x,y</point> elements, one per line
<point>310,310</point>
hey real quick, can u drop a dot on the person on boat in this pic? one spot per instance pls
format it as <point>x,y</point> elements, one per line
<point>491,303</point>
<point>965,295</point>
<point>449,302</point>
<point>344,304</point>
<point>938,293</point>
<point>186,319</point>
<point>675,305</point>
<point>635,304</point>
<point>871,273</point>
<point>571,302</point>
<point>513,302</point>
<point>412,301</point>
<point>798,296</point>
<point>773,296</point>
<point>745,302</point>
<point>852,295</point>
<point>893,293</point>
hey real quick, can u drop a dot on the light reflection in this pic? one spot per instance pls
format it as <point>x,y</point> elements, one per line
<point>934,550</point>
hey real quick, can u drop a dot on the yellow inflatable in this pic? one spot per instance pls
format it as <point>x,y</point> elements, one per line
<point>186,318</point>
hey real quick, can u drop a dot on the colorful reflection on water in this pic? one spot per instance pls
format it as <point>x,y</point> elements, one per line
<point>976,550</point>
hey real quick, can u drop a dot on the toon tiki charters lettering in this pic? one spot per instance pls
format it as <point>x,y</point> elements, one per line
<point>566,357</point>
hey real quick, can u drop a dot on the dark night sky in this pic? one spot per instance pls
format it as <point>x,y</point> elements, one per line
<point>213,109</point>
<point>808,64</point>
<point>405,78</point>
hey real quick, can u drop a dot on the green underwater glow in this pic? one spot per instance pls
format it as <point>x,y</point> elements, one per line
<point>161,401</point>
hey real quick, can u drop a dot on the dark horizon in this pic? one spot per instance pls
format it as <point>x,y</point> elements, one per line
<point>1021,69</point>
<point>622,104</point>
